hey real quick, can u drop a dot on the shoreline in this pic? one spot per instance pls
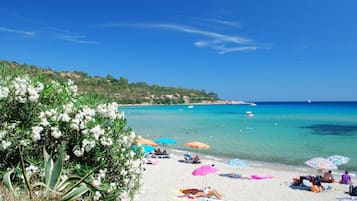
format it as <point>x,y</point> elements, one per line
<point>162,181</point>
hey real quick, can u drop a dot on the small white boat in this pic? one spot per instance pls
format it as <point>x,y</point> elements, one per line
<point>253,104</point>
<point>190,106</point>
<point>249,114</point>
<point>308,100</point>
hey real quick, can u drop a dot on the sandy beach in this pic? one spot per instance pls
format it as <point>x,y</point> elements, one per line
<point>163,180</point>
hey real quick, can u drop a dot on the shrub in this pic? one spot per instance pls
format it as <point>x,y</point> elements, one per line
<point>37,114</point>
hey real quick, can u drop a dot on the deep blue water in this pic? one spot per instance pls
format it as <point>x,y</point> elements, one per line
<point>290,132</point>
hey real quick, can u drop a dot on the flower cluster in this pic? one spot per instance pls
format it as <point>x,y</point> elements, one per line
<point>95,135</point>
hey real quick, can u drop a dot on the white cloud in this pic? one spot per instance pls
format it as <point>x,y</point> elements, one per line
<point>216,41</point>
<point>16,31</point>
<point>227,23</point>
<point>77,39</point>
<point>224,50</point>
<point>70,36</point>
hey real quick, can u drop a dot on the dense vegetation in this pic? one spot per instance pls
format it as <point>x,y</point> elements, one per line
<point>57,144</point>
<point>119,90</point>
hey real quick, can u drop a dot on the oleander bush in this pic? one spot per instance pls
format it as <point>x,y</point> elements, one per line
<point>38,115</point>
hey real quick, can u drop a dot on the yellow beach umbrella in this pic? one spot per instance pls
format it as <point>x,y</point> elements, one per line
<point>197,145</point>
<point>148,142</point>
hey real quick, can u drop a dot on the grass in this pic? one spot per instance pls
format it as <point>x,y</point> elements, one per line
<point>6,195</point>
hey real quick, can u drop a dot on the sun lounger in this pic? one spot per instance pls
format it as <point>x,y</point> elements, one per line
<point>189,159</point>
<point>160,155</point>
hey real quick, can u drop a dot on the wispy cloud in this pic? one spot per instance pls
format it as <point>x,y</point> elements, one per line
<point>77,39</point>
<point>70,36</point>
<point>17,31</point>
<point>216,41</point>
<point>227,23</point>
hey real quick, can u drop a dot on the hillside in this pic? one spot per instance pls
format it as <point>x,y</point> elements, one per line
<point>119,90</point>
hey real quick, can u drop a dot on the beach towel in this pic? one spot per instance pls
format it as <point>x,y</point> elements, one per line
<point>347,199</point>
<point>258,177</point>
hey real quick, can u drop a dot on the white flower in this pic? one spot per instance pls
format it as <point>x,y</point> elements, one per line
<point>102,173</point>
<point>96,132</point>
<point>36,133</point>
<point>97,182</point>
<point>30,170</point>
<point>106,141</point>
<point>55,132</point>
<point>4,92</point>
<point>78,152</point>
<point>97,196</point>
<point>44,122</point>
<point>5,144</point>
<point>2,134</point>
<point>64,117</point>
<point>88,145</point>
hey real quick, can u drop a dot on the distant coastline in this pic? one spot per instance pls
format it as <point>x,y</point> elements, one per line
<point>218,102</point>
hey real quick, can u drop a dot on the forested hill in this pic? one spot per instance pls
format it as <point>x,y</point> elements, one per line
<point>117,89</point>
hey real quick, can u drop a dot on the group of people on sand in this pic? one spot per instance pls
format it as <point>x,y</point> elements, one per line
<point>159,152</point>
<point>327,177</point>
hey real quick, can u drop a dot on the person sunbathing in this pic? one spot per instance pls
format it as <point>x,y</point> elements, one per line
<point>194,193</point>
<point>208,194</point>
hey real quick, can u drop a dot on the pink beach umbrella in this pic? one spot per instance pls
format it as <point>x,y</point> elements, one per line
<point>203,171</point>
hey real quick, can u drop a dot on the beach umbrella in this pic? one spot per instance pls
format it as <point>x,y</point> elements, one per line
<point>203,171</point>
<point>165,141</point>
<point>320,163</point>
<point>197,145</point>
<point>146,148</point>
<point>148,142</point>
<point>237,162</point>
<point>338,160</point>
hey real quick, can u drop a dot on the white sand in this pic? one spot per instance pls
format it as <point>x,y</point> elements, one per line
<point>162,180</point>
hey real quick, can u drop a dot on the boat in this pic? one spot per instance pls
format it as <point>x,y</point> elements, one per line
<point>249,114</point>
<point>308,100</point>
<point>190,106</point>
<point>253,104</point>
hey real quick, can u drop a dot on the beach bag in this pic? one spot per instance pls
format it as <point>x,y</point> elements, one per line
<point>315,189</point>
<point>353,190</point>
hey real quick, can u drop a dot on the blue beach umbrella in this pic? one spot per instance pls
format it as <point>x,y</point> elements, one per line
<point>165,141</point>
<point>147,148</point>
<point>338,160</point>
<point>237,163</point>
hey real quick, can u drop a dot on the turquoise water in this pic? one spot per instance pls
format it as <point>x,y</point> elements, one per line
<point>288,133</point>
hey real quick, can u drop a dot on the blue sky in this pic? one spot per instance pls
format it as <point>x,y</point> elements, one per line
<point>243,50</point>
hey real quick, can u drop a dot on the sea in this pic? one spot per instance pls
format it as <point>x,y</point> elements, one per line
<point>279,132</point>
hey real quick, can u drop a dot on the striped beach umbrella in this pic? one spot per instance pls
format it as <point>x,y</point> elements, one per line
<point>338,159</point>
<point>237,162</point>
<point>321,163</point>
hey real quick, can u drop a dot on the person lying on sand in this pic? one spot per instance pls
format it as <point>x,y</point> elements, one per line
<point>208,193</point>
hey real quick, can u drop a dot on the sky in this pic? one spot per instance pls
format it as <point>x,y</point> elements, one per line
<point>256,50</point>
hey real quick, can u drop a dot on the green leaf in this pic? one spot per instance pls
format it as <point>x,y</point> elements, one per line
<point>57,170</point>
<point>76,193</point>
<point>48,168</point>
<point>7,181</point>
